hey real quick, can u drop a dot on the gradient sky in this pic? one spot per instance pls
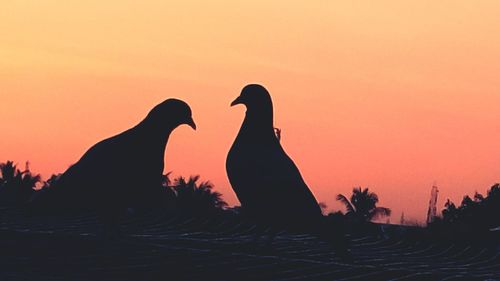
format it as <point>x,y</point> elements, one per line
<point>390,95</point>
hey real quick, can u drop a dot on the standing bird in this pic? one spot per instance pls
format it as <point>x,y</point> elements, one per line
<point>124,171</point>
<point>266,181</point>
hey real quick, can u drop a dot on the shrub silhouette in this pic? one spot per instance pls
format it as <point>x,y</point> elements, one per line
<point>182,196</point>
<point>192,197</point>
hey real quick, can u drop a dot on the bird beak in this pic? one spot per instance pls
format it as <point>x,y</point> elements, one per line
<point>191,123</point>
<point>238,100</point>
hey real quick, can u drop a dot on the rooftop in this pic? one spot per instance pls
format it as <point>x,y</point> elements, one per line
<point>156,246</point>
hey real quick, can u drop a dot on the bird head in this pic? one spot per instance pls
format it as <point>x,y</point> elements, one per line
<point>170,114</point>
<point>254,97</point>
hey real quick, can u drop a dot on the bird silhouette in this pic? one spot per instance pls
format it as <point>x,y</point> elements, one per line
<point>123,171</point>
<point>266,181</point>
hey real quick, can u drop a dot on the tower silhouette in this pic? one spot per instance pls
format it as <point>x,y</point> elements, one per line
<point>431,213</point>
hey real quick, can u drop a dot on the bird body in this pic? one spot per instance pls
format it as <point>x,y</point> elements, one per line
<point>266,181</point>
<point>122,171</point>
<point>117,169</point>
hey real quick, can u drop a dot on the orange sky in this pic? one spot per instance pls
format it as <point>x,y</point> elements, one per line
<point>381,94</point>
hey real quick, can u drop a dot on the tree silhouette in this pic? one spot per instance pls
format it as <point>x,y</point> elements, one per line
<point>27,183</point>
<point>478,213</point>
<point>51,182</point>
<point>165,180</point>
<point>8,170</point>
<point>450,211</point>
<point>363,205</point>
<point>16,186</point>
<point>195,198</point>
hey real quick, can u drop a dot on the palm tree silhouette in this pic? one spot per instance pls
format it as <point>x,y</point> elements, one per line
<point>27,183</point>
<point>195,198</point>
<point>363,205</point>
<point>8,171</point>
<point>16,186</point>
<point>165,180</point>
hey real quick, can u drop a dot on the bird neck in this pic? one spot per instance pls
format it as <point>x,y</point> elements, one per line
<point>153,133</point>
<point>259,121</point>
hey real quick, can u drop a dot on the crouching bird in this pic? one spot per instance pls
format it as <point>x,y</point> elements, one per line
<point>266,181</point>
<point>123,171</point>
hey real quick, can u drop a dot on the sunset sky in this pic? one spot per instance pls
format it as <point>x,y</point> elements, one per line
<point>390,95</point>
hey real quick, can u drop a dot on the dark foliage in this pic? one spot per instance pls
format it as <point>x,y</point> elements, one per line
<point>181,195</point>
<point>475,214</point>
<point>196,198</point>
<point>16,186</point>
<point>362,206</point>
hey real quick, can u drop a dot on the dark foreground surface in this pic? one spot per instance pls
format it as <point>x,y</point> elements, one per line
<point>157,247</point>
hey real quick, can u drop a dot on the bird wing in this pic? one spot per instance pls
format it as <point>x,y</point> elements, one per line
<point>239,167</point>
<point>284,184</point>
<point>96,177</point>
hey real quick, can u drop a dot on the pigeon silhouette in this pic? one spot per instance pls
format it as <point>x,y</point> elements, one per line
<point>124,171</point>
<point>266,181</point>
